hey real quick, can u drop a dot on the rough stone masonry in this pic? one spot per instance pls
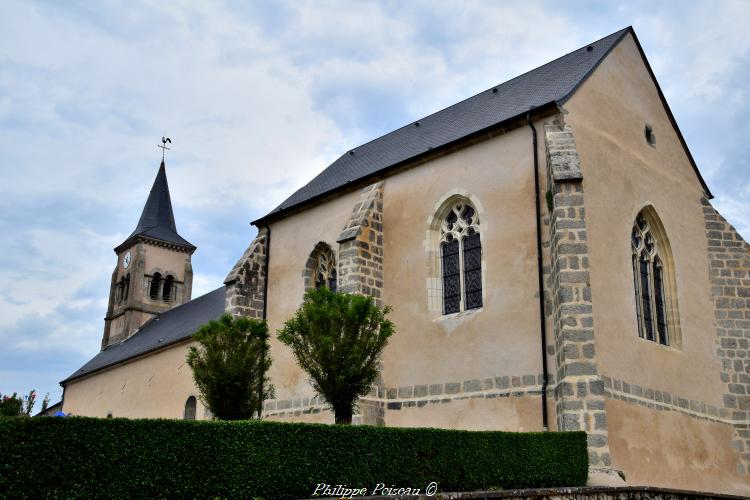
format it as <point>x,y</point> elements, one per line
<point>579,393</point>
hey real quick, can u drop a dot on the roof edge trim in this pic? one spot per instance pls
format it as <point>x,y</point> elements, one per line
<point>520,118</point>
<point>671,117</point>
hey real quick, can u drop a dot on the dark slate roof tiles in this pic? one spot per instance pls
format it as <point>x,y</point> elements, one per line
<point>157,218</point>
<point>172,326</point>
<point>553,82</point>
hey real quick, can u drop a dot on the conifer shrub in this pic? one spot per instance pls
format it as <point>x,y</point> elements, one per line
<point>96,458</point>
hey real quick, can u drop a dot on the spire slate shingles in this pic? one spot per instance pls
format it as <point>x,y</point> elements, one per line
<point>157,218</point>
<point>553,82</point>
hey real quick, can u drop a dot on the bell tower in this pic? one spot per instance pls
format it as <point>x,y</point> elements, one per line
<point>153,272</point>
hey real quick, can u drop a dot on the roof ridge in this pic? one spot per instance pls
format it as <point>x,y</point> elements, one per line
<point>548,84</point>
<point>411,122</point>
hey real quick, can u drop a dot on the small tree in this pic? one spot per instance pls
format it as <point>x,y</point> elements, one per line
<point>229,367</point>
<point>45,403</point>
<point>337,339</point>
<point>16,406</point>
<point>10,406</point>
<point>28,403</point>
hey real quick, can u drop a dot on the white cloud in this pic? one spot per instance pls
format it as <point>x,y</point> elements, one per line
<point>259,99</point>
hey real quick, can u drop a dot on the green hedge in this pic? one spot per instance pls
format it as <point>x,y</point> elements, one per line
<point>88,457</point>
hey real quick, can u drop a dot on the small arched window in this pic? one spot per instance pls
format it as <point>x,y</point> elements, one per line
<point>320,270</point>
<point>168,284</point>
<point>655,297</point>
<point>190,408</point>
<point>154,288</point>
<point>461,258</point>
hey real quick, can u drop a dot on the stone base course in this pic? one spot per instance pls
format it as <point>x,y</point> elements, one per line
<point>381,399</point>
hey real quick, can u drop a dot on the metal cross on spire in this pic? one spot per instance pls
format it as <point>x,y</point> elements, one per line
<point>163,146</point>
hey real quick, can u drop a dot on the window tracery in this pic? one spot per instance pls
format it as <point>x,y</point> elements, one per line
<point>650,281</point>
<point>320,268</point>
<point>325,272</point>
<point>461,258</point>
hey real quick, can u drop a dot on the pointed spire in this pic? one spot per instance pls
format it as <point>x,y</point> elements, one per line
<point>157,218</point>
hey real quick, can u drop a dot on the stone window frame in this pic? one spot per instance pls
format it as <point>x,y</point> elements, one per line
<point>313,265</point>
<point>660,255</point>
<point>432,248</point>
<point>163,275</point>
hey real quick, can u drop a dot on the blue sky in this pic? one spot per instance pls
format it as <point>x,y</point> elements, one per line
<point>258,97</point>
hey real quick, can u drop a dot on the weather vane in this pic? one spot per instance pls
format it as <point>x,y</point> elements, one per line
<point>163,146</point>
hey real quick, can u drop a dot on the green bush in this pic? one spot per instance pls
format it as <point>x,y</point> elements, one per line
<point>87,457</point>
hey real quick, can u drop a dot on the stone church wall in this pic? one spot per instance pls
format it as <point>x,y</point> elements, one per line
<point>154,386</point>
<point>426,377</point>
<point>668,424</point>
<point>670,416</point>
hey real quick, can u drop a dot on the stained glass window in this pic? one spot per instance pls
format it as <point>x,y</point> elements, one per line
<point>451,277</point>
<point>325,268</point>
<point>461,258</point>
<point>649,282</point>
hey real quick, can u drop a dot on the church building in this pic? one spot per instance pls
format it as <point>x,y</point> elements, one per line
<point>553,262</point>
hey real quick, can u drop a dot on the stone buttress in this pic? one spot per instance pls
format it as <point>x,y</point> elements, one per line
<point>361,271</point>
<point>246,281</point>
<point>579,392</point>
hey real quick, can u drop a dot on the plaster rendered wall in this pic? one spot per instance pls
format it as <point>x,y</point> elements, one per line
<point>622,174</point>
<point>292,240</point>
<point>669,449</point>
<point>497,414</point>
<point>165,261</point>
<point>155,386</point>
<point>471,351</point>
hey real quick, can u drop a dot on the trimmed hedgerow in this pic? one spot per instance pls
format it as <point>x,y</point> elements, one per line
<point>88,457</point>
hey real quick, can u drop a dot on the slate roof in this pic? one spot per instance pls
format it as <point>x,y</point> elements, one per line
<point>157,218</point>
<point>174,325</point>
<point>552,83</point>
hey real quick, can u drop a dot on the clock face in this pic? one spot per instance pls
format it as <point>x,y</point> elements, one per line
<point>126,261</point>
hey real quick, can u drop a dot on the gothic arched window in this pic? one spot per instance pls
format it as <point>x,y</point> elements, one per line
<point>461,258</point>
<point>167,292</point>
<point>189,409</point>
<point>320,270</point>
<point>153,291</point>
<point>655,297</point>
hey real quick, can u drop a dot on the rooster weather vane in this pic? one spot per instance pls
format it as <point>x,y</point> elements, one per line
<point>163,146</point>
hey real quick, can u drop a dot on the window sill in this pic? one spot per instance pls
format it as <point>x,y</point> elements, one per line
<point>458,315</point>
<point>670,347</point>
